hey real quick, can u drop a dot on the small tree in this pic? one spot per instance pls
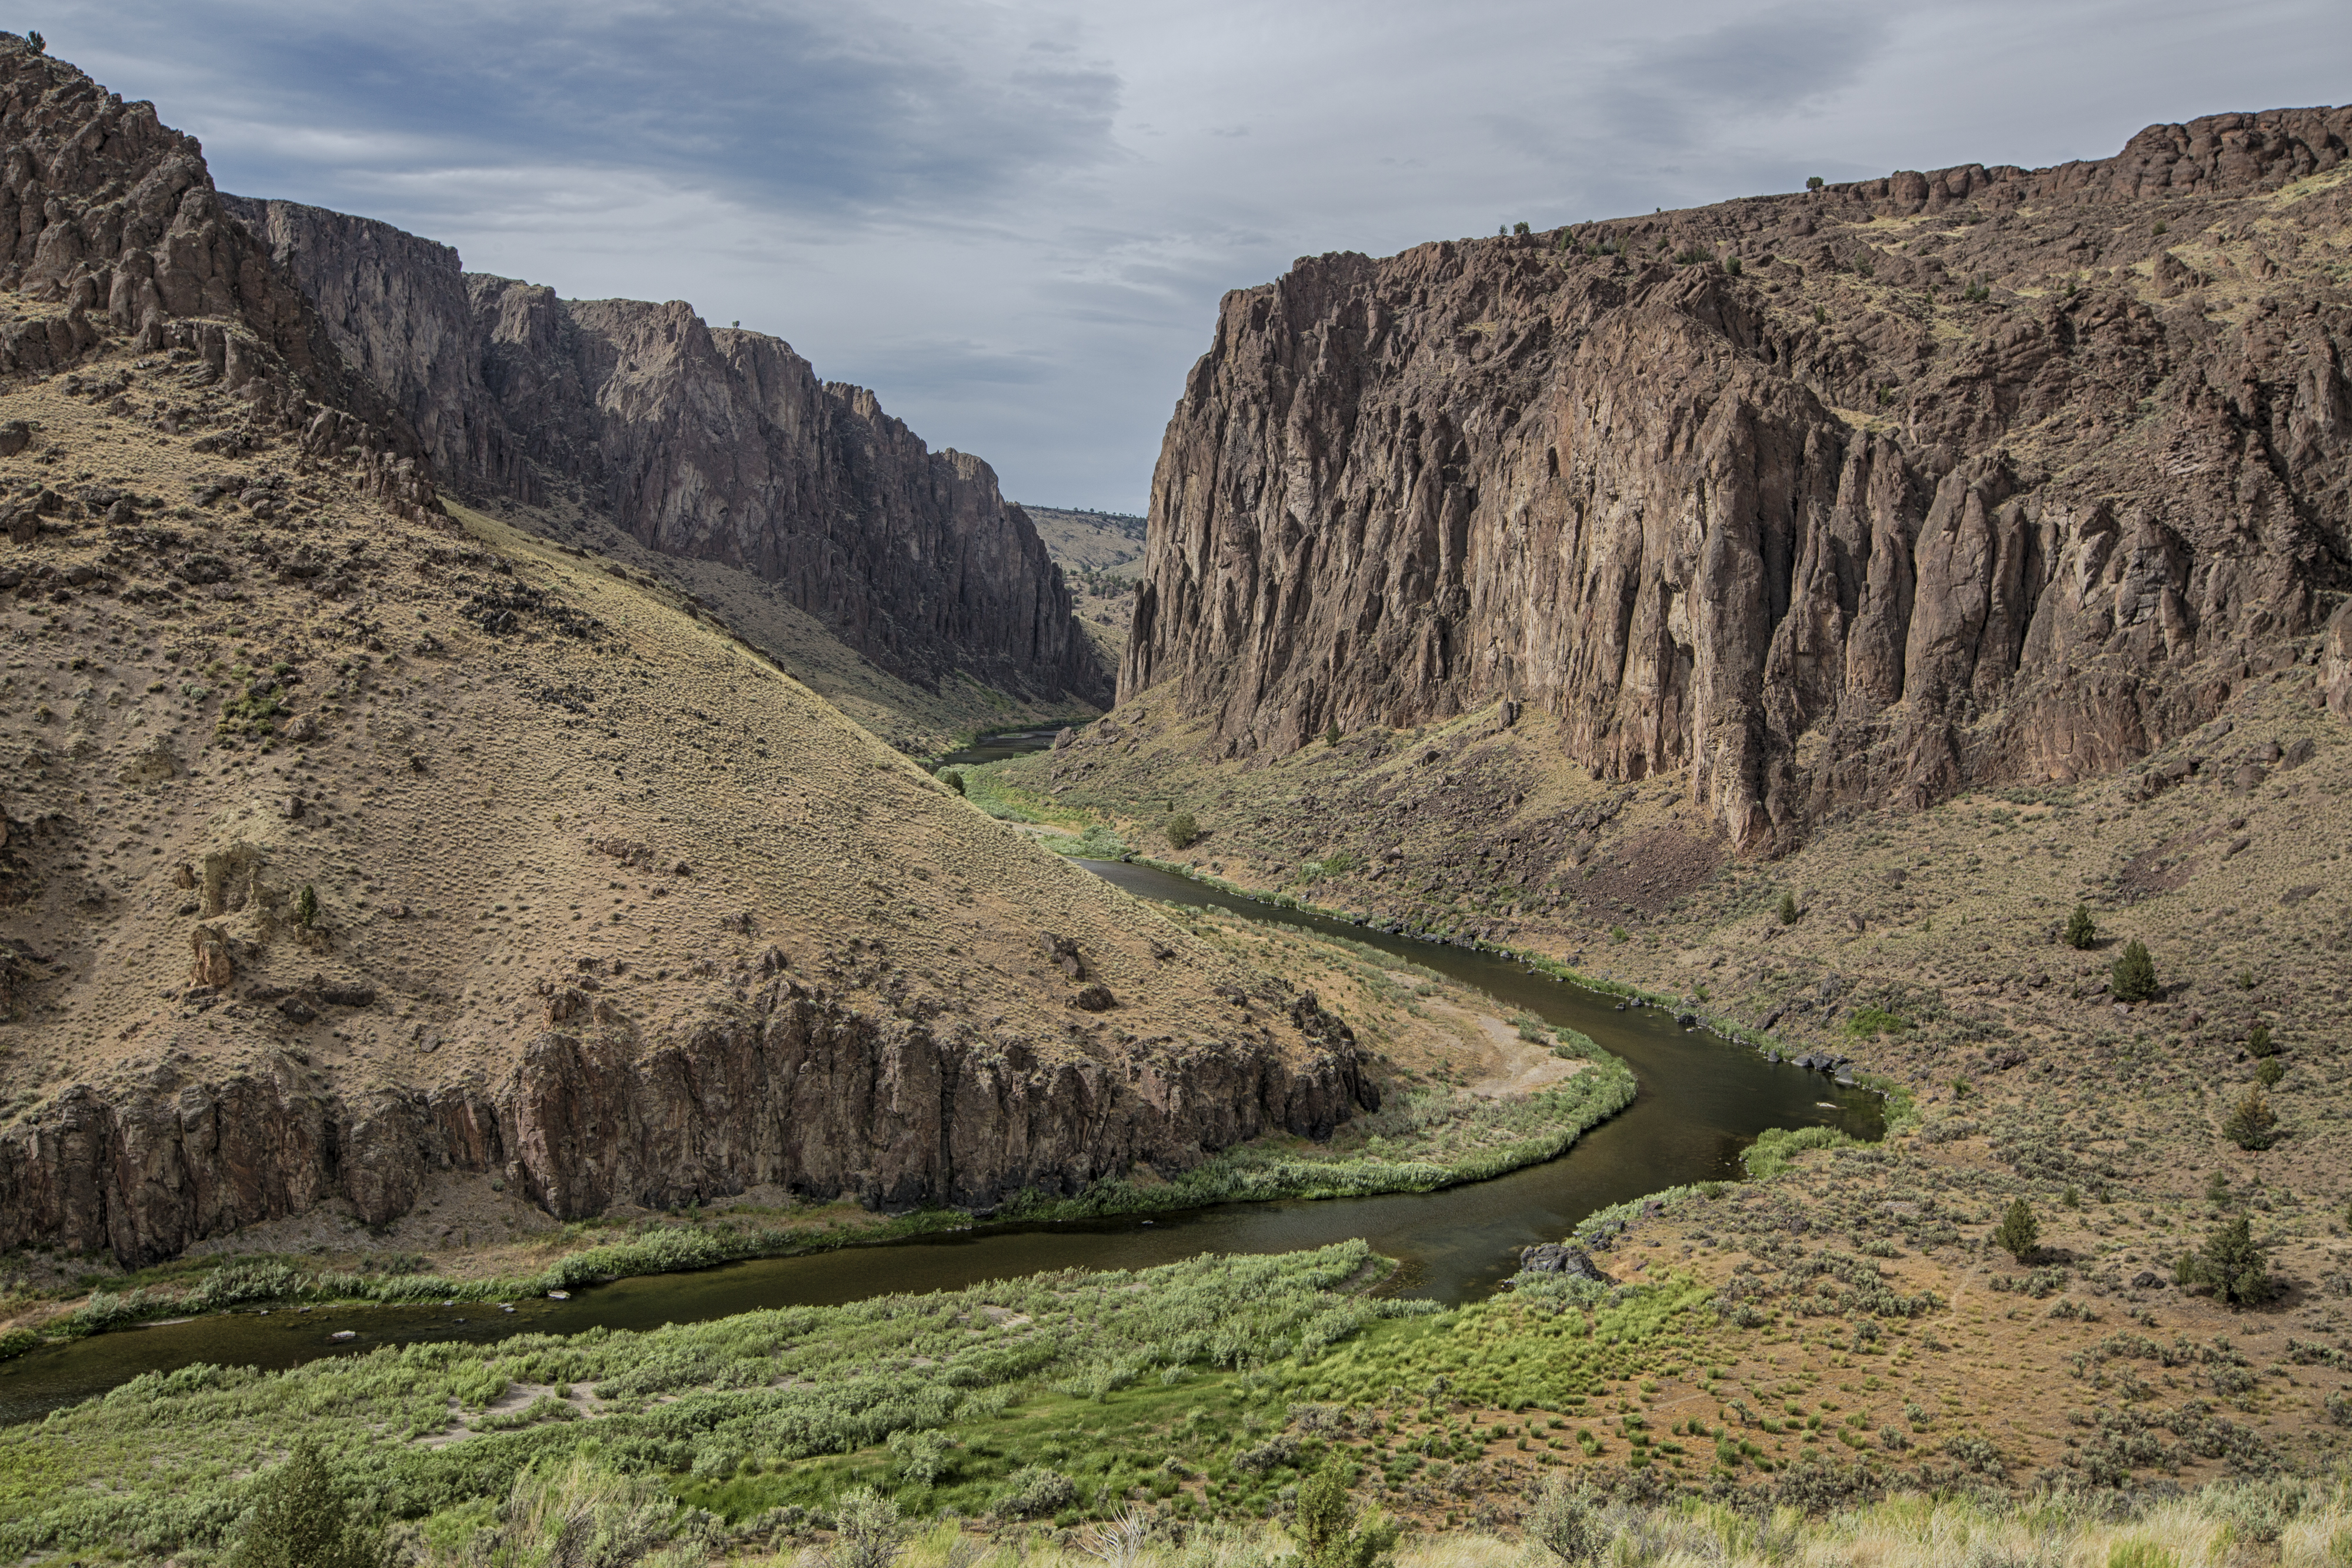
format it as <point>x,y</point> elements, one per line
<point>1568,1523</point>
<point>35,42</point>
<point>1813,181</point>
<point>2018,1230</point>
<point>1182,832</point>
<point>1327,1536</point>
<point>1789,910</point>
<point>1331,734</point>
<point>301,1519</point>
<point>306,907</point>
<point>2081,931</point>
<point>2231,1262</point>
<point>953,777</point>
<point>2259,1042</point>
<point>2133,979</point>
<point>2270,1072</point>
<point>2251,1123</point>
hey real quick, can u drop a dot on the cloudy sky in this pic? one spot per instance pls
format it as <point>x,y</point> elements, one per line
<point>1013,220</point>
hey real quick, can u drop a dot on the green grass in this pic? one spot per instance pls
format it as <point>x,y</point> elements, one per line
<point>1774,1147</point>
<point>160,1462</point>
<point>1434,1138</point>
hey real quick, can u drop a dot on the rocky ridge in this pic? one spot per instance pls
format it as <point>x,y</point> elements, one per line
<point>712,444</point>
<point>1870,493</point>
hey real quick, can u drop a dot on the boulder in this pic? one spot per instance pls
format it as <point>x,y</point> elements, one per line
<point>1558,1258</point>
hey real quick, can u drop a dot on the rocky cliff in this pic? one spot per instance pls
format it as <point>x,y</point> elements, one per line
<point>1872,492</point>
<point>718,445</point>
<point>109,226</point>
<point>800,1091</point>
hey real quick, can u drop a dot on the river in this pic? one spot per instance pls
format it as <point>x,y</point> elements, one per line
<point>1701,1102</point>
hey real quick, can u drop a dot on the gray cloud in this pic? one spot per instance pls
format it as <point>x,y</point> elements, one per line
<point>1013,218</point>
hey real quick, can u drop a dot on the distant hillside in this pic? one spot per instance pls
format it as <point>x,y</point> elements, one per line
<point>1100,553</point>
<point>1089,541</point>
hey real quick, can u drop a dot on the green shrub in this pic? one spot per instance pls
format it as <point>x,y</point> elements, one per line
<point>1035,1492</point>
<point>1732,266</point>
<point>2133,979</point>
<point>2232,1262</point>
<point>2020,1230</point>
<point>1617,933</point>
<point>1788,910</point>
<point>2271,1071</point>
<point>2081,931</point>
<point>2259,1042</point>
<point>868,1530</point>
<point>306,907</point>
<point>953,777</point>
<point>17,1342</point>
<point>1327,1536</point>
<point>301,1519</point>
<point>2251,1123</point>
<point>1875,1021</point>
<point>1769,1155</point>
<point>1182,832</point>
<point>1813,181</point>
<point>1568,1523</point>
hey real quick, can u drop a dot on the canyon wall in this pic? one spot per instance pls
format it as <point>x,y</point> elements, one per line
<point>799,1090</point>
<point>719,444</point>
<point>1865,493</point>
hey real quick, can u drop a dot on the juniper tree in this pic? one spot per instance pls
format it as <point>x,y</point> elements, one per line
<point>301,1519</point>
<point>2081,931</point>
<point>1327,1536</point>
<point>2133,979</point>
<point>2232,1262</point>
<point>2018,1230</point>
<point>2251,1123</point>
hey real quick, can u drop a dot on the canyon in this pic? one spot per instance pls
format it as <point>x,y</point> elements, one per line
<point>1877,492</point>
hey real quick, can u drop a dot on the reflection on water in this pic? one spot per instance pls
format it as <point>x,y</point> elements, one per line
<point>1701,1102</point>
<point>1002,746</point>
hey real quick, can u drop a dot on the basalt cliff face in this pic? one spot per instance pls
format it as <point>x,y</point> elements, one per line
<point>1870,493</point>
<point>718,445</point>
<point>799,1091</point>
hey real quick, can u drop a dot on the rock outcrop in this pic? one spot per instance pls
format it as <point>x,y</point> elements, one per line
<point>719,444</point>
<point>109,218</point>
<point>797,1091</point>
<point>1865,494</point>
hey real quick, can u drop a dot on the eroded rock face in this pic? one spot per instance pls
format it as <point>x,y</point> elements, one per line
<point>1891,510</point>
<point>718,445</point>
<point>796,1090</point>
<point>111,216</point>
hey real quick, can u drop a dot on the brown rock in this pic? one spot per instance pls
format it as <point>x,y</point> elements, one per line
<point>1707,532</point>
<point>211,967</point>
<point>790,1090</point>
